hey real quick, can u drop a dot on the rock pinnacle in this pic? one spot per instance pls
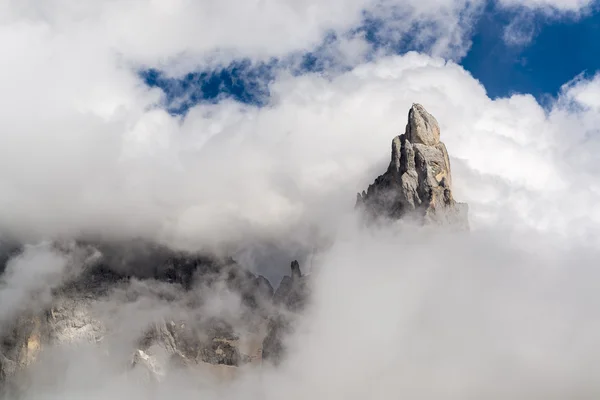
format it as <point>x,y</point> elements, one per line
<point>418,181</point>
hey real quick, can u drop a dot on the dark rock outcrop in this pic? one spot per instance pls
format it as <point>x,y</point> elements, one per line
<point>279,328</point>
<point>418,181</point>
<point>292,291</point>
<point>291,298</point>
<point>213,341</point>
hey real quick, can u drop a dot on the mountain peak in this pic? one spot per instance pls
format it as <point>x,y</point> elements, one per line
<point>422,127</point>
<point>418,181</point>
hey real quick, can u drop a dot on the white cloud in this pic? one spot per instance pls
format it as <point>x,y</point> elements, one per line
<point>179,35</point>
<point>550,5</point>
<point>400,313</point>
<point>526,22</point>
<point>28,279</point>
<point>582,92</point>
<point>438,317</point>
<point>79,138</point>
<point>85,154</point>
<point>27,282</point>
<point>521,29</point>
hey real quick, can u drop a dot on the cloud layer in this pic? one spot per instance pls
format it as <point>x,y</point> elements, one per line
<point>86,149</point>
<point>402,312</point>
<point>230,171</point>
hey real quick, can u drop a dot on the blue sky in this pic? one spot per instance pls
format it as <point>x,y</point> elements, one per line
<point>557,48</point>
<point>560,49</point>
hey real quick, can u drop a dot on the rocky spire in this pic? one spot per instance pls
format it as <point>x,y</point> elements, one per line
<point>418,181</point>
<point>296,273</point>
<point>290,298</point>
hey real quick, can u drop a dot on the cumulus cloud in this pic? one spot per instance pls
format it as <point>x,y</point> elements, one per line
<point>180,34</point>
<point>86,150</point>
<point>228,171</point>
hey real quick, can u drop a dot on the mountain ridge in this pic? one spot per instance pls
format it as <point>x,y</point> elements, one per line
<point>417,185</point>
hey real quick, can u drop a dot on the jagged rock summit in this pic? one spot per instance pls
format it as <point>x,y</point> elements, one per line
<point>79,311</point>
<point>418,181</point>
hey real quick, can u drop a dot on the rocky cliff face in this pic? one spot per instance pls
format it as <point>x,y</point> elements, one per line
<point>418,181</point>
<point>173,280</point>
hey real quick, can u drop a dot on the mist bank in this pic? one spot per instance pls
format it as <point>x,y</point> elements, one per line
<point>393,311</point>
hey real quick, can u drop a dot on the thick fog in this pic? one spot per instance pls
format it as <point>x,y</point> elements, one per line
<point>395,312</point>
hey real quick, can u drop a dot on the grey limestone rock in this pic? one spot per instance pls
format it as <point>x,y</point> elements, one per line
<point>422,127</point>
<point>418,182</point>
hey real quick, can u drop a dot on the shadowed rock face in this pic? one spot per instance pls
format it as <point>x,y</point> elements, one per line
<point>418,181</point>
<point>69,318</point>
<point>290,299</point>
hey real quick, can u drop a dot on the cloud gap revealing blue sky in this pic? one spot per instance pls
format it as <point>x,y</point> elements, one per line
<point>241,80</point>
<point>559,51</point>
<point>548,51</point>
